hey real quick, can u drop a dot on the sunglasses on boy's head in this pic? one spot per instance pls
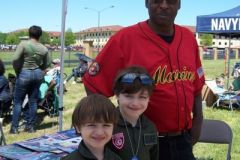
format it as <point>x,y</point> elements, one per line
<point>130,77</point>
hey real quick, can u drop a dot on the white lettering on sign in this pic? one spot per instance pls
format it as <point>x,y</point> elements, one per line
<point>221,25</point>
<point>225,24</point>
<point>235,21</point>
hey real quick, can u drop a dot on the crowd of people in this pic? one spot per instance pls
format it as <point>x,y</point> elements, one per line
<point>154,70</point>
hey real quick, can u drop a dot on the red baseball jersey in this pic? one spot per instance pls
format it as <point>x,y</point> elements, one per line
<point>175,67</point>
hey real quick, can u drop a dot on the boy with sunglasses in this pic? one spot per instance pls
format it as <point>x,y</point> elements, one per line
<point>134,136</point>
<point>94,118</point>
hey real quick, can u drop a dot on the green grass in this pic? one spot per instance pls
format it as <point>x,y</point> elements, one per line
<point>214,68</point>
<point>203,151</point>
<point>216,151</point>
<point>206,151</point>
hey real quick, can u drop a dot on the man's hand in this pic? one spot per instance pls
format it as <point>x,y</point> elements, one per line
<point>197,119</point>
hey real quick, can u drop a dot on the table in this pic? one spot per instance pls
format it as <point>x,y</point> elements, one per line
<point>52,147</point>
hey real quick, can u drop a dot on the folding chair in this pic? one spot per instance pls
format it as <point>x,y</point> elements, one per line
<point>217,131</point>
<point>49,103</point>
<point>228,98</point>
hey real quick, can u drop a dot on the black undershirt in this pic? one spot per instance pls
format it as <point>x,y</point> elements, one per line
<point>167,39</point>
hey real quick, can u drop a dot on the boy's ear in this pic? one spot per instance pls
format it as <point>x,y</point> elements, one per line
<point>77,130</point>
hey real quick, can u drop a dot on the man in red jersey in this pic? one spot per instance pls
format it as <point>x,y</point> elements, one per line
<point>170,54</point>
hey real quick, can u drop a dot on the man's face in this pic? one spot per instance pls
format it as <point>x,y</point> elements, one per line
<point>162,12</point>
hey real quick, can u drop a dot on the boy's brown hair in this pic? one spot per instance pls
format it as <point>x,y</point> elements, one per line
<point>94,108</point>
<point>137,85</point>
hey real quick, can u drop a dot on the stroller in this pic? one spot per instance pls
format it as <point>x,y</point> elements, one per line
<point>79,71</point>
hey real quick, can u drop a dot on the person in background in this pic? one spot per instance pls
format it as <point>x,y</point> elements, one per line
<point>219,89</point>
<point>55,70</point>
<point>48,95</point>
<point>235,85</point>
<point>5,95</point>
<point>134,136</point>
<point>170,54</point>
<point>78,72</point>
<point>93,119</point>
<point>29,62</point>
<point>220,81</point>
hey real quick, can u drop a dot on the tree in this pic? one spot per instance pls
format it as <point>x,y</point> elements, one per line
<point>3,37</point>
<point>45,38</point>
<point>69,37</point>
<point>12,38</point>
<point>55,42</point>
<point>21,34</point>
<point>206,39</point>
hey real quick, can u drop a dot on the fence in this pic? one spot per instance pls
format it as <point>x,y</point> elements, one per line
<point>70,60</point>
<point>218,54</point>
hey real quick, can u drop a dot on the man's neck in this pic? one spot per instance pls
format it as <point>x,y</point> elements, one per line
<point>161,30</point>
<point>34,40</point>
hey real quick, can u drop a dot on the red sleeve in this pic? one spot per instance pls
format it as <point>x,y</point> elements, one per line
<point>110,61</point>
<point>200,78</point>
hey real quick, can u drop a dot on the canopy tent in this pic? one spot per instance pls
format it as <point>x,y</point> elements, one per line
<point>225,23</point>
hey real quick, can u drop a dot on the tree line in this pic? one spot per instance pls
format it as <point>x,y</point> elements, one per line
<point>14,38</point>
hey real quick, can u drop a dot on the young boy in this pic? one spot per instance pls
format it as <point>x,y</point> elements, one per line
<point>94,118</point>
<point>135,136</point>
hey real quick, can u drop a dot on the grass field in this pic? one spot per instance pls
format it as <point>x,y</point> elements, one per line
<point>75,92</point>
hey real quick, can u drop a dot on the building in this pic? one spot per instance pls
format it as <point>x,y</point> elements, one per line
<point>221,41</point>
<point>100,36</point>
<point>54,35</point>
<point>97,35</point>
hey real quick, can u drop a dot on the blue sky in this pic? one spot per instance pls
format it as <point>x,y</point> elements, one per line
<point>18,14</point>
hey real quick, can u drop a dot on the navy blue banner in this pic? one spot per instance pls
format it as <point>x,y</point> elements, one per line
<point>223,22</point>
<point>218,24</point>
